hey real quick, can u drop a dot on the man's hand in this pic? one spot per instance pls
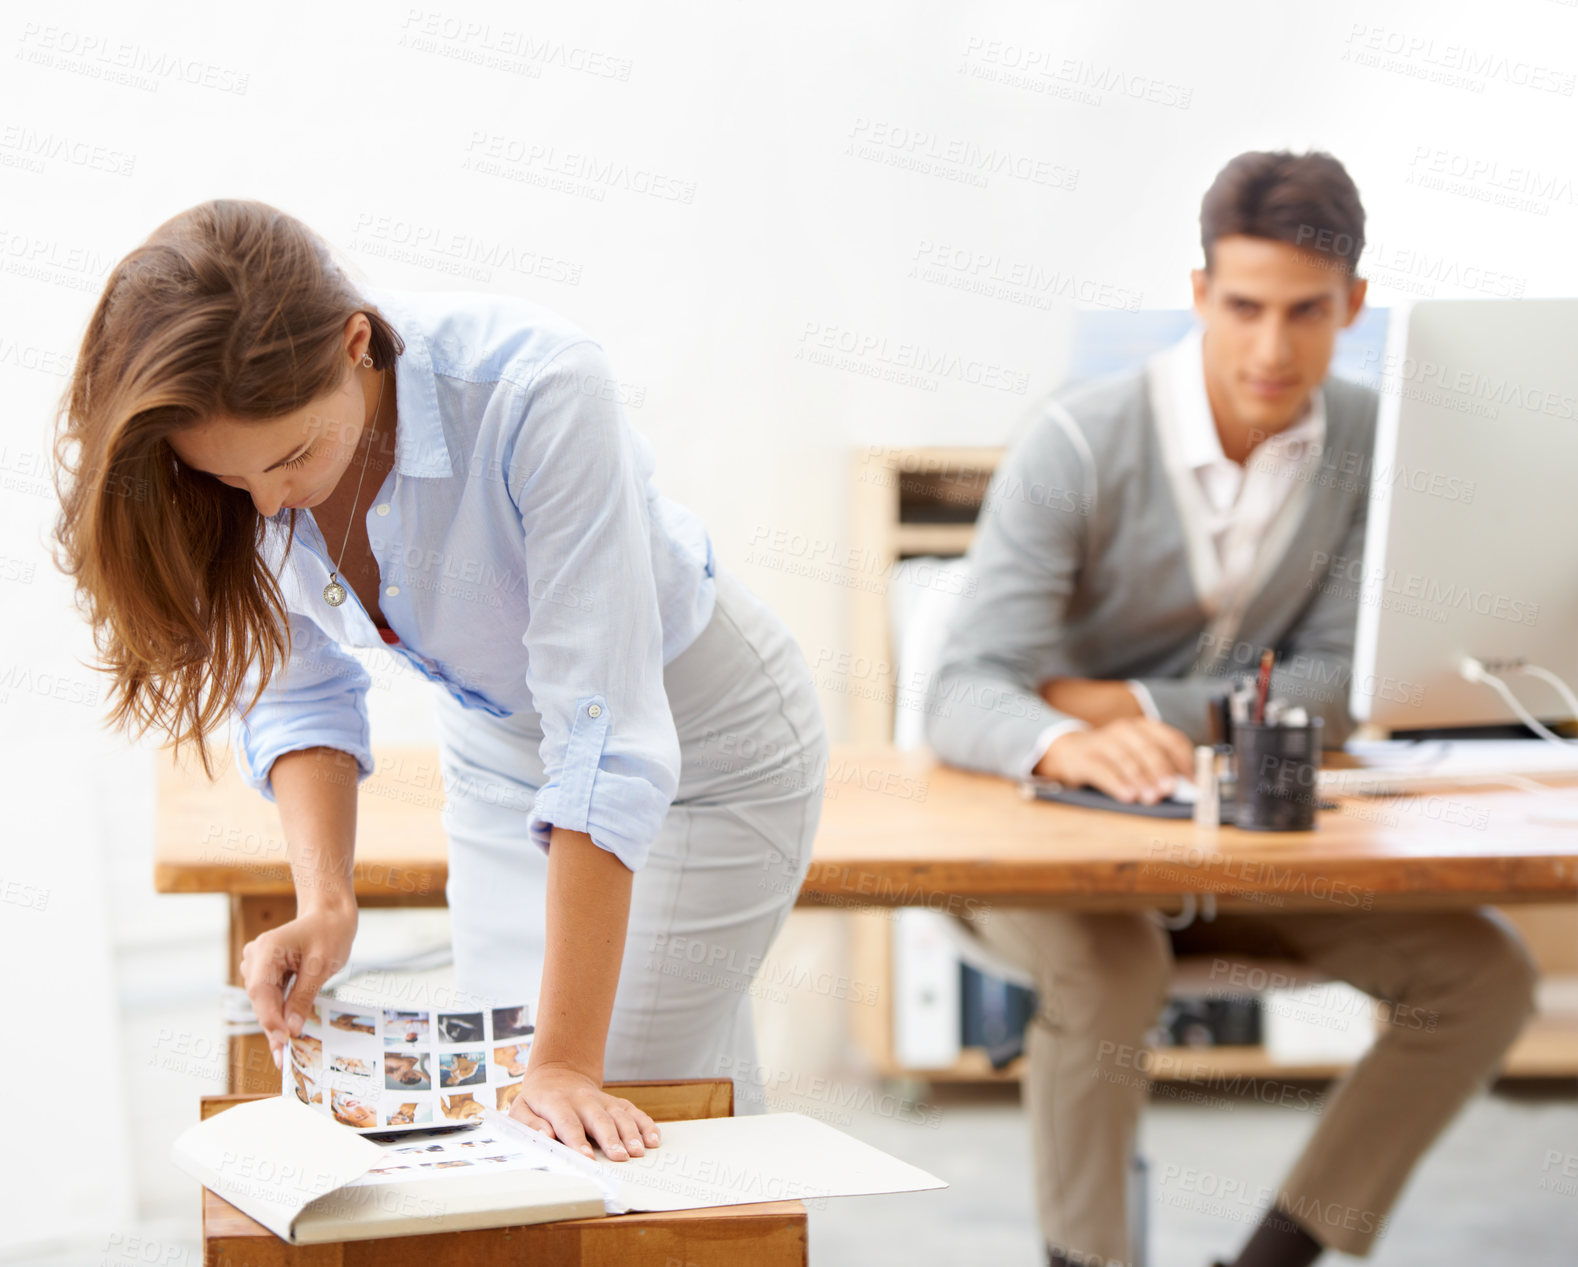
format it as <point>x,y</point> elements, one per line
<point>1092,700</point>
<point>1130,760</point>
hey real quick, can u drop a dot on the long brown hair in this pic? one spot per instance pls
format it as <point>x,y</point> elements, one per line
<point>230,308</point>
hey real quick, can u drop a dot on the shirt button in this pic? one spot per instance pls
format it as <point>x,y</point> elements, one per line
<point>391,590</point>
<point>594,710</point>
<point>382,510</point>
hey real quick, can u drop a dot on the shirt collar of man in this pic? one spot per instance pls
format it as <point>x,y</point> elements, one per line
<point>1198,443</point>
<point>420,446</point>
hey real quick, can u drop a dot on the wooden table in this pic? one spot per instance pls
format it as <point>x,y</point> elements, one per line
<point>765,1234</point>
<point>901,829</point>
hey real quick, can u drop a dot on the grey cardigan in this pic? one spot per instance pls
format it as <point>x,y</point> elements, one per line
<point>1081,565</point>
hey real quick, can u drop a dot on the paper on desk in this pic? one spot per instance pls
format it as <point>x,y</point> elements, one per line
<point>735,1161</point>
<point>1474,756</point>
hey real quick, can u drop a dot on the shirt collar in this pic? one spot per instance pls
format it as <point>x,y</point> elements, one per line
<point>420,446</point>
<point>1182,368</point>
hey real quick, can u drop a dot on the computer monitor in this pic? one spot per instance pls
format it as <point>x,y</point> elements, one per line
<point>1472,548</point>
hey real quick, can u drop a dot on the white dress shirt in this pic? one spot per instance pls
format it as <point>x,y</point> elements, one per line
<point>1227,509</point>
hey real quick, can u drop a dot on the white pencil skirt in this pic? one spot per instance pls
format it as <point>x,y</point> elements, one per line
<point>722,874</point>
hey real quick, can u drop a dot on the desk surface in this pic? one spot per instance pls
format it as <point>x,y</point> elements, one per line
<point>903,829</point>
<point>900,828</point>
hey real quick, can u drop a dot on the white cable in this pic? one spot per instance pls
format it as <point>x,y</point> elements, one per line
<point>1571,700</point>
<point>1183,919</point>
<point>1526,717</point>
<point>1525,784</point>
<point>1475,671</point>
<point>1562,689</point>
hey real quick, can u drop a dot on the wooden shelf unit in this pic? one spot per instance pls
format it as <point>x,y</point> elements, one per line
<point>909,502</point>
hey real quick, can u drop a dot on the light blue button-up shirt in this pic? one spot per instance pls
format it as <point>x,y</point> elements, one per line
<point>525,561</point>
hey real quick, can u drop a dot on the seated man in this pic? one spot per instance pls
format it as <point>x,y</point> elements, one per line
<point>1144,538</point>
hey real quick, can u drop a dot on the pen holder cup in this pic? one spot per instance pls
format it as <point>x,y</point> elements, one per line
<point>1277,772</point>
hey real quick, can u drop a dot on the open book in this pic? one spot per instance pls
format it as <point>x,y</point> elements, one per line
<point>310,1180</point>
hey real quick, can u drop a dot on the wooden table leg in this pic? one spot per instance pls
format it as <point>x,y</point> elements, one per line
<point>251,1067</point>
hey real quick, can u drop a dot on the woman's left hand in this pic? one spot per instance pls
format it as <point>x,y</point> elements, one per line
<point>570,1105</point>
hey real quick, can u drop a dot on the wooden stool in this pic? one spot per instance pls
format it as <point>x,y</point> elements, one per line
<point>767,1234</point>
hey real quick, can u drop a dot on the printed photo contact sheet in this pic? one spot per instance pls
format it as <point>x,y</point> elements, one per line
<point>380,1069</point>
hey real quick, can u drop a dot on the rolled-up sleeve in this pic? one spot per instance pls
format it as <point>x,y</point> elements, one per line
<point>577,475</point>
<point>317,698</point>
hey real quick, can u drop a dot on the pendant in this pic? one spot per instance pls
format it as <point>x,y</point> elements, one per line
<point>333,593</point>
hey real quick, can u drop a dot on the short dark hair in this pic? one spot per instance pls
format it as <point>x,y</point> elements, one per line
<point>1306,199</point>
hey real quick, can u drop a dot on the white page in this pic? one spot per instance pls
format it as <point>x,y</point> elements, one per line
<point>448,1154</point>
<point>271,1158</point>
<point>461,1200</point>
<point>738,1160</point>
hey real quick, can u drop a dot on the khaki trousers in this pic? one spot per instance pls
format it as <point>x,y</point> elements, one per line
<point>1458,988</point>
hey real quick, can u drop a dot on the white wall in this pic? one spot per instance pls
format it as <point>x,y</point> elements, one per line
<point>784,129</point>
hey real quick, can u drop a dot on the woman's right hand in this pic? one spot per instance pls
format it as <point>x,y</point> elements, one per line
<point>313,946</point>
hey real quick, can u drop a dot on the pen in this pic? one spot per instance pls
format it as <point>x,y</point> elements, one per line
<point>1263,684</point>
